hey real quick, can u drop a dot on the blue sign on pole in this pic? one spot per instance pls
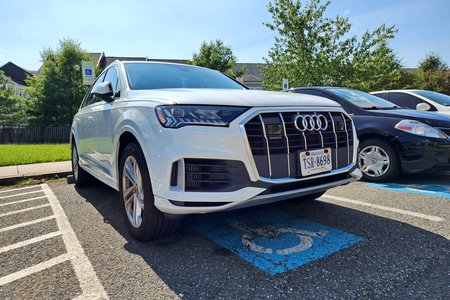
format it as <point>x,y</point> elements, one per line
<point>275,241</point>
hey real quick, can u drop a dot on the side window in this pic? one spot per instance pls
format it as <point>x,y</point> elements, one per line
<point>90,98</point>
<point>111,76</point>
<point>407,101</point>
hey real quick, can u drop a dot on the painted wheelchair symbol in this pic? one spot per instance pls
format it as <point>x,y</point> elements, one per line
<point>305,238</point>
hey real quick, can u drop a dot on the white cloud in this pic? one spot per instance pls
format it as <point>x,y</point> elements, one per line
<point>346,13</point>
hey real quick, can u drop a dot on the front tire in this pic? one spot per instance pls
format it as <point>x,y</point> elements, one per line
<point>144,221</point>
<point>378,160</point>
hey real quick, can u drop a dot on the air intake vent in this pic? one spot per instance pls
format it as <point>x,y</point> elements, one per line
<point>206,175</point>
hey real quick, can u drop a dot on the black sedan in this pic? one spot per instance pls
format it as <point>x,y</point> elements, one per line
<point>392,140</point>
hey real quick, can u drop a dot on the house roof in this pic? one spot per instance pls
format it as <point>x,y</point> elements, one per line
<point>16,73</point>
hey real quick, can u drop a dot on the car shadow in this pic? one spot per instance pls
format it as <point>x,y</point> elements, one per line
<point>395,258</point>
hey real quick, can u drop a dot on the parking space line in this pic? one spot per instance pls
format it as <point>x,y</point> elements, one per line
<point>22,201</point>
<point>19,189</point>
<point>26,223</point>
<point>30,241</point>
<point>33,269</point>
<point>21,194</point>
<point>23,210</point>
<point>89,282</point>
<point>386,208</point>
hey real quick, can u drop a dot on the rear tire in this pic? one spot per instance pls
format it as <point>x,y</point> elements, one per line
<point>80,176</point>
<point>378,160</point>
<point>144,221</point>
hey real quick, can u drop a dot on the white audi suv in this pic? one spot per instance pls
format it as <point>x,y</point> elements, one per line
<point>177,139</point>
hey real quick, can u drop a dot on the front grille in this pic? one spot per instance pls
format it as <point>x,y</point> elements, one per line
<point>203,175</point>
<point>445,130</point>
<point>276,152</point>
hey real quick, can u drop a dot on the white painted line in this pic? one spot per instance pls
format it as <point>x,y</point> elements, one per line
<point>34,269</point>
<point>21,201</point>
<point>20,189</point>
<point>26,223</point>
<point>89,282</point>
<point>386,208</point>
<point>30,241</point>
<point>20,194</point>
<point>23,210</point>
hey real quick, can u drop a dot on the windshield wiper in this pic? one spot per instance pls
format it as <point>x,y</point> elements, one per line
<point>381,107</point>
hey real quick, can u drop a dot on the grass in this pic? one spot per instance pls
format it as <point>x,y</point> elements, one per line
<point>12,154</point>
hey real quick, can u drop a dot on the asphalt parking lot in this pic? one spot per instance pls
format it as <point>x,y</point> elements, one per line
<point>358,241</point>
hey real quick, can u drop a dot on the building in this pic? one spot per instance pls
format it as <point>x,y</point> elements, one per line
<point>17,77</point>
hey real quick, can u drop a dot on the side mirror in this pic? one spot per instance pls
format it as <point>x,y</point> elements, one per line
<point>103,91</point>
<point>423,107</point>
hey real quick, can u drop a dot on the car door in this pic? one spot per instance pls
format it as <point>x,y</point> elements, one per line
<point>101,127</point>
<point>83,121</point>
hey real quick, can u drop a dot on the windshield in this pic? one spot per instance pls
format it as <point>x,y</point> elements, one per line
<point>439,98</point>
<point>363,100</point>
<point>142,76</point>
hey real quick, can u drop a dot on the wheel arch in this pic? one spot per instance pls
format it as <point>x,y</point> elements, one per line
<point>126,137</point>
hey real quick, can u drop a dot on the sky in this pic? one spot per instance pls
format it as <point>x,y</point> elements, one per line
<point>176,28</point>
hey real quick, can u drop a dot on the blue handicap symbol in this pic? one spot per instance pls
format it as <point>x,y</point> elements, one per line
<point>275,241</point>
<point>88,72</point>
<point>441,189</point>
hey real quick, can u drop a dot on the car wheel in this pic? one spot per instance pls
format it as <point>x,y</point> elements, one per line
<point>80,176</point>
<point>378,160</point>
<point>144,221</point>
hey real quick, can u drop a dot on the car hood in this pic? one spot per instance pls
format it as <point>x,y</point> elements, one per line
<point>430,118</point>
<point>229,97</point>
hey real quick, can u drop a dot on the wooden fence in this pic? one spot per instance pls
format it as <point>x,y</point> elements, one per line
<point>34,135</point>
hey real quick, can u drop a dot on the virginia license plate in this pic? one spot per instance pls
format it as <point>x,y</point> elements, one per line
<point>315,161</point>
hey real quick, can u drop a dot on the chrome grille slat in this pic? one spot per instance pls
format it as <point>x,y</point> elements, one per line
<point>348,142</point>
<point>335,137</point>
<point>287,145</point>
<point>267,143</point>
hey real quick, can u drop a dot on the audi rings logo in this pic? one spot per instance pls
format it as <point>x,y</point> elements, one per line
<point>311,122</point>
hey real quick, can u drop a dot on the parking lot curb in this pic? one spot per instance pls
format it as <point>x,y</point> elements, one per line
<point>14,180</point>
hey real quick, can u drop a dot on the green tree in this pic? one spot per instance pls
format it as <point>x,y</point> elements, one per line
<point>57,92</point>
<point>215,55</point>
<point>432,74</point>
<point>311,49</point>
<point>12,106</point>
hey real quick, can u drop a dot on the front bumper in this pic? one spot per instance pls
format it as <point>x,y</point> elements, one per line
<point>171,149</point>
<point>419,154</point>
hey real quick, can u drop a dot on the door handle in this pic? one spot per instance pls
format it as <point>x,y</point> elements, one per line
<point>90,119</point>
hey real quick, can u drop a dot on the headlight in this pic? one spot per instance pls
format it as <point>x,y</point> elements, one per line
<point>176,116</point>
<point>419,128</point>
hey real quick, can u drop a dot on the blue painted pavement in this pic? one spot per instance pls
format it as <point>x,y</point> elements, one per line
<point>441,189</point>
<point>275,241</point>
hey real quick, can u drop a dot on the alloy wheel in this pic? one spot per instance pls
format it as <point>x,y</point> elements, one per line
<point>133,192</point>
<point>75,162</point>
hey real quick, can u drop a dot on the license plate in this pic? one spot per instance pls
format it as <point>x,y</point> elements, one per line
<point>315,161</point>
